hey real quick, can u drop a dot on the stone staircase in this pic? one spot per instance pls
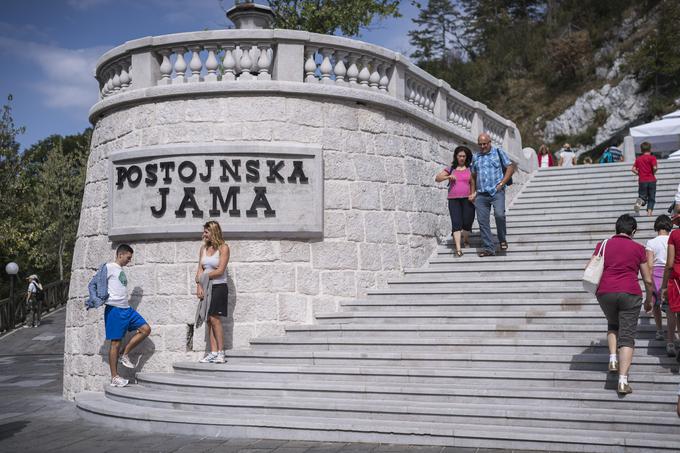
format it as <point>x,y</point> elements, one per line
<point>504,352</point>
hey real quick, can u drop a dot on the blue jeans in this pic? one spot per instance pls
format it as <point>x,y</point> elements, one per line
<point>483,204</point>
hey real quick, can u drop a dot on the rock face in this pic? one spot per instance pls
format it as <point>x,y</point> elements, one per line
<point>623,104</point>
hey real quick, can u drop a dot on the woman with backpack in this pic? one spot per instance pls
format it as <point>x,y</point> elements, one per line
<point>462,193</point>
<point>34,299</point>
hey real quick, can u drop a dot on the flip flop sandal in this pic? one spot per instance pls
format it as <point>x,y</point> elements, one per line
<point>458,253</point>
<point>484,253</point>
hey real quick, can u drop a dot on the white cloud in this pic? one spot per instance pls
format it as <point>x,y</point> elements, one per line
<point>83,5</point>
<point>65,76</point>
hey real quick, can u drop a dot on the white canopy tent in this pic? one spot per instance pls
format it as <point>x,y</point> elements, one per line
<point>664,134</point>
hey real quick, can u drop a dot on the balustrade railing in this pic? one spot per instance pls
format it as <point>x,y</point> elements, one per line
<point>13,311</point>
<point>258,55</point>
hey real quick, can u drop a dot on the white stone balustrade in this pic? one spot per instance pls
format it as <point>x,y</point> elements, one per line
<point>459,114</point>
<point>223,60</point>
<point>344,67</point>
<point>215,62</point>
<point>115,78</point>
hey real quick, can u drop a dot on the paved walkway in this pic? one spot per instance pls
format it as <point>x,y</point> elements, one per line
<point>35,418</point>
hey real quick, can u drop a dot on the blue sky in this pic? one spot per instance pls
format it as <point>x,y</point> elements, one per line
<point>49,49</point>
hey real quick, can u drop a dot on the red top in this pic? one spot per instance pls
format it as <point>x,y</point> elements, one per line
<point>645,166</point>
<point>543,156</point>
<point>622,259</point>
<point>674,240</point>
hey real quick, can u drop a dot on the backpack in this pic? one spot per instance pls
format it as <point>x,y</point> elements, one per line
<point>39,293</point>
<point>607,157</point>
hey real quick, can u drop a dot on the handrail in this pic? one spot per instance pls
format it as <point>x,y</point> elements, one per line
<point>13,312</point>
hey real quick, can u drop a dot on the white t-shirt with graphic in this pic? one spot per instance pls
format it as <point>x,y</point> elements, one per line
<point>117,286</point>
<point>658,245</point>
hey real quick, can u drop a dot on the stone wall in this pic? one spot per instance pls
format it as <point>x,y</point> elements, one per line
<point>383,213</point>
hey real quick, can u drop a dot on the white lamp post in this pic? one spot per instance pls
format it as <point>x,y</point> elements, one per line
<point>12,270</point>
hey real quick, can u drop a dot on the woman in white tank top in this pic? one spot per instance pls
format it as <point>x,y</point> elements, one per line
<point>213,258</point>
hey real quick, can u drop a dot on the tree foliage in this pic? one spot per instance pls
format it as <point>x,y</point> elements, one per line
<point>438,30</point>
<point>41,191</point>
<point>331,16</point>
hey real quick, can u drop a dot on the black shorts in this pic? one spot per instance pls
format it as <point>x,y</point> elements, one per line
<point>219,300</point>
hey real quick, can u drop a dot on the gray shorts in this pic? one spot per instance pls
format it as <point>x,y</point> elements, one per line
<point>622,311</point>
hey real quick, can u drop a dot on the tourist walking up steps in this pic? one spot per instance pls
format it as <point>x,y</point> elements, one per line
<point>656,260</point>
<point>492,170</point>
<point>670,286</point>
<point>545,158</point>
<point>567,156</point>
<point>620,297</point>
<point>645,168</point>
<point>212,290</point>
<point>109,287</point>
<point>462,194</point>
<point>34,299</point>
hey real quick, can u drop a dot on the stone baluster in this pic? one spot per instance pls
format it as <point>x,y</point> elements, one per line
<point>109,83</point>
<point>353,70</point>
<point>264,62</point>
<point>410,93</point>
<point>310,65</point>
<point>180,66</point>
<point>430,101</point>
<point>364,74</point>
<point>105,88</point>
<point>211,63</point>
<point>116,78</point>
<point>228,63</point>
<point>246,63</point>
<point>374,78</point>
<point>326,68</point>
<point>195,65</point>
<point>340,70</point>
<point>125,78</point>
<point>384,79</point>
<point>166,67</point>
<point>419,96</point>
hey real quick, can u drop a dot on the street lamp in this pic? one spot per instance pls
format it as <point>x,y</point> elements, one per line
<point>12,270</point>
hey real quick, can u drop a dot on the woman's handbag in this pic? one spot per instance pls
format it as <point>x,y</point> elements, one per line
<point>593,272</point>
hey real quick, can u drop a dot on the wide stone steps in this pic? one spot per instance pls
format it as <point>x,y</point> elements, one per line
<point>345,390</point>
<point>586,361</point>
<point>444,345</point>
<point>380,409</point>
<point>479,329</point>
<point>401,375</point>
<point>121,415</point>
<point>501,352</point>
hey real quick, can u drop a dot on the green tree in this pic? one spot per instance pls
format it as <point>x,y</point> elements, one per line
<point>58,196</point>
<point>329,16</point>
<point>437,28</point>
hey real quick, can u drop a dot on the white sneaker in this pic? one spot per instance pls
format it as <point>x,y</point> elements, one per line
<point>126,362</point>
<point>219,358</point>
<point>209,358</point>
<point>118,381</point>
<point>638,204</point>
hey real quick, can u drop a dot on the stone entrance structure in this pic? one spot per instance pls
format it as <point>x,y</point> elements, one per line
<point>316,154</point>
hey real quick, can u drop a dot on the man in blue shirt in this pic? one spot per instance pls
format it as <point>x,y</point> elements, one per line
<point>487,169</point>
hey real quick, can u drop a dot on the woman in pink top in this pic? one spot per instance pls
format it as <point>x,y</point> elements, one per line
<point>462,193</point>
<point>620,296</point>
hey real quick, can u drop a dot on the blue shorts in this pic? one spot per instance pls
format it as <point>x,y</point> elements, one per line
<point>119,321</point>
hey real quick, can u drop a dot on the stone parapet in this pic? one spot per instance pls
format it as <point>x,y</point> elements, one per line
<point>221,61</point>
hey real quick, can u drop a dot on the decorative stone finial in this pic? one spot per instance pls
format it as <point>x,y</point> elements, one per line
<point>248,14</point>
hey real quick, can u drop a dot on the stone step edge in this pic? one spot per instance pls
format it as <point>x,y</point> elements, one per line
<point>369,406</point>
<point>583,358</point>
<point>535,393</point>
<point>367,430</point>
<point>424,372</point>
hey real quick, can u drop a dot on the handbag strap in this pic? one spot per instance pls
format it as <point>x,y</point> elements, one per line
<point>602,247</point>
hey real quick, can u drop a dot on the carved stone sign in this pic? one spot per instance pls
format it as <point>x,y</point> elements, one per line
<point>252,190</point>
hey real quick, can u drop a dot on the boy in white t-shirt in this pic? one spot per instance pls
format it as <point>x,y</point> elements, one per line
<point>119,317</point>
<point>656,260</point>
